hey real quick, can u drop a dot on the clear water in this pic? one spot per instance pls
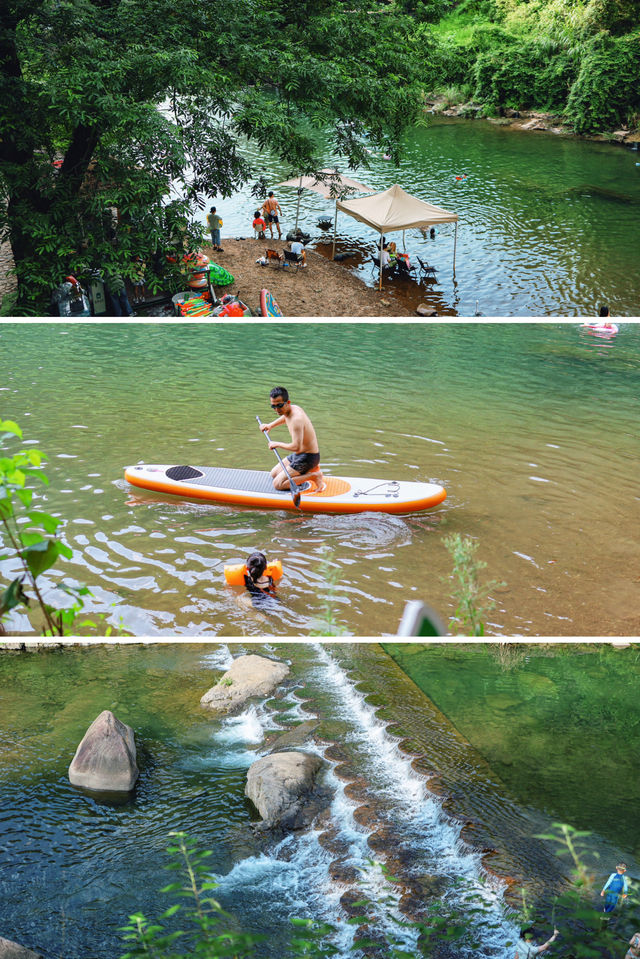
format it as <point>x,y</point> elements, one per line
<point>559,725</point>
<point>548,225</point>
<point>73,868</point>
<point>531,428</point>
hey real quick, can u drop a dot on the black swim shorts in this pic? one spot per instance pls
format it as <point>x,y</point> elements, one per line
<point>272,217</point>
<point>304,462</point>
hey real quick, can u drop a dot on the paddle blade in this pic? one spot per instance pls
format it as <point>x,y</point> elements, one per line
<point>296,498</point>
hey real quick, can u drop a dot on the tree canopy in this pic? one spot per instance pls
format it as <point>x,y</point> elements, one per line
<point>141,106</point>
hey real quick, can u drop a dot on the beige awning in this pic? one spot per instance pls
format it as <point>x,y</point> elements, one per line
<point>395,209</point>
<point>332,188</point>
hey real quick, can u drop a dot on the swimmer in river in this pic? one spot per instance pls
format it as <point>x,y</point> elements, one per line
<point>255,579</point>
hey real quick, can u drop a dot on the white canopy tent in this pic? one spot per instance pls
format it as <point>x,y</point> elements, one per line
<point>395,209</point>
<point>330,184</point>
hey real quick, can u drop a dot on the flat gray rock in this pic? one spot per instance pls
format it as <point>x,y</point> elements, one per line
<point>248,676</point>
<point>13,950</point>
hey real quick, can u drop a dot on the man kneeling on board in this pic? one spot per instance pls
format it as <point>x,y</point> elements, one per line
<point>304,463</point>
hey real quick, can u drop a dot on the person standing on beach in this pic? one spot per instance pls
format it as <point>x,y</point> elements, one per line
<point>271,208</point>
<point>615,888</point>
<point>215,225</point>
<point>305,461</point>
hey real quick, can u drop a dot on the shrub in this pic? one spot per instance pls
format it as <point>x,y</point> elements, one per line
<point>522,75</point>
<point>606,92</point>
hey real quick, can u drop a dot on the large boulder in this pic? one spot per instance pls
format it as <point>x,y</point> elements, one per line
<point>105,760</point>
<point>282,787</point>
<point>248,676</point>
<point>13,950</point>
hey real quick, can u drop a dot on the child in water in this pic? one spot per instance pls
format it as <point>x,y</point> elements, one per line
<point>254,579</point>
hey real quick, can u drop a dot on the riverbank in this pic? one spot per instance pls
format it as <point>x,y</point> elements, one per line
<point>528,121</point>
<point>322,288</point>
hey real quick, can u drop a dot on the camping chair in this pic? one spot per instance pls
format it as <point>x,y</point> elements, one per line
<point>403,269</point>
<point>272,256</point>
<point>291,258</point>
<point>376,264</point>
<point>429,271</point>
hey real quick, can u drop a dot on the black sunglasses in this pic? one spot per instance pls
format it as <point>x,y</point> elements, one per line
<point>278,406</point>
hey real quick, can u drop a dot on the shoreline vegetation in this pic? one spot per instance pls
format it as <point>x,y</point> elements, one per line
<point>109,145</point>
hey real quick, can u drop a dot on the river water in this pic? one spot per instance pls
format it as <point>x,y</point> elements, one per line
<point>74,867</point>
<point>533,430</point>
<point>548,225</point>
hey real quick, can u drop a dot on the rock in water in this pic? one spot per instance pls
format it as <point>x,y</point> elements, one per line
<point>280,787</point>
<point>13,950</point>
<point>105,760</point>
<point>248,676</point>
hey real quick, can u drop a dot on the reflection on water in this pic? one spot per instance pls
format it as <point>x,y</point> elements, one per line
<point>531,428</point>
<point>548,225</point>
<point>559,725</point>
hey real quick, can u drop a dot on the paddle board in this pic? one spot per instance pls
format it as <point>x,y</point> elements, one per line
<point>268,304</point>
<point>254,488</point>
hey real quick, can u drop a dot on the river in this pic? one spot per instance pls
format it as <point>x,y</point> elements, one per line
<point>531,428</point>
<point>548,224</point>
<point>409,788</point>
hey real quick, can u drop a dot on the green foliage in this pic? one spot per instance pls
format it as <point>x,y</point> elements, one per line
<point>558,55</point>
<point>523,74</point>
<point>330,575</point>
<point>586,933</point>
<point>139,106</point>
<point>30,536</point>
<point>472,597</point>
<point>607,88</point>
<point>197,925</point>
<point>207,930</point>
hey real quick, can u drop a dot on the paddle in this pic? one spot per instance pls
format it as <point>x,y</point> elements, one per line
<point>293,489</point>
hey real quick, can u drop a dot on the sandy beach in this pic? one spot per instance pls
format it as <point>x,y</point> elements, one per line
<point>322,288</point>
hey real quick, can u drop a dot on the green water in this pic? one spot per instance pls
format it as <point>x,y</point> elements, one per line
<point>554,736</point>
<point>548,225</point>
<point>531,428</point>
<point>560,726</point>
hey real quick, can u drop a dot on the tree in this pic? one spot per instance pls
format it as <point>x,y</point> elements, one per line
<point>138,106</point>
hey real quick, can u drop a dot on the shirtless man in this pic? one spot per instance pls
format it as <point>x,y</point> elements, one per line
<point>271,209</point>
<point>304,462</point>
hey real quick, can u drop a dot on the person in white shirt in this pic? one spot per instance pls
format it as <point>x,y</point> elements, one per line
<point>526,948</point>
<point>299,250</point>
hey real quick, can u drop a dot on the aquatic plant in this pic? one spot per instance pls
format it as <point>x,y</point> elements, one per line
<point>585,931</point>
<point>330,574</point>
<point>31,537</point>
<point>207,930</point>
<point>473,598</point>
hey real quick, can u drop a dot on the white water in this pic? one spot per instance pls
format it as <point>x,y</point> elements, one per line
<point>294,877</point>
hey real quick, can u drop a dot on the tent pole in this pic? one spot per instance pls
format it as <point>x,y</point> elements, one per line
<point>455,240</point>
<point>298,206</point>
<point>404,245</point>
<point>381,238</point>
<point>335,228</point>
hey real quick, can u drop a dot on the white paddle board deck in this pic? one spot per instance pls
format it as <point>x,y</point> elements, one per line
<point>254,488</point>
